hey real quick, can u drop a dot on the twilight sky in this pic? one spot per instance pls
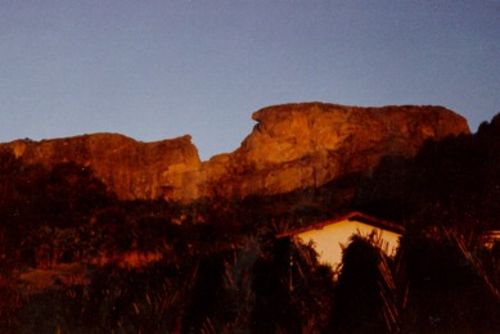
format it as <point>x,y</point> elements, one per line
<point>160,69</point>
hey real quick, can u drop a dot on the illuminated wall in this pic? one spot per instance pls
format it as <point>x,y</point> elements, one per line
<point>327,241</point>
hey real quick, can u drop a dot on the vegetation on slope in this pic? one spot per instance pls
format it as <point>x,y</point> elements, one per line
<point>217,267</point>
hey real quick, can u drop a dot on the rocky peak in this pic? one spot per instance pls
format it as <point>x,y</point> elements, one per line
<point>308,144</point>
<point>288,132</point>
<point>292,146</point>
<point>130,168</point>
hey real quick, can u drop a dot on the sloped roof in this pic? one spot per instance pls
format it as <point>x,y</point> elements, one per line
<point>493,234</point>
<point>351,216</point>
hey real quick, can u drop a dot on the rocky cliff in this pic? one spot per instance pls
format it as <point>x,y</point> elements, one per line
<point>127,167</point>
<point>292,146</point>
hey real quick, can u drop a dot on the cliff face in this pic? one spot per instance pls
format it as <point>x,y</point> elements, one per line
<point>127,167</point>
<point>292,146</point>
<point>302,145</point>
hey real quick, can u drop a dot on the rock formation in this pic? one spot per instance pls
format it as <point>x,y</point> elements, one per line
<point>127,167</point>
<point>292,146</point>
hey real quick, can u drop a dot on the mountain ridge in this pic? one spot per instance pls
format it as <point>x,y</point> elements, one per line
<point>292,146</point>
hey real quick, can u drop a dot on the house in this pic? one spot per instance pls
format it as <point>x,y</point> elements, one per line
<point>490,238</point>
<point>330,236</point>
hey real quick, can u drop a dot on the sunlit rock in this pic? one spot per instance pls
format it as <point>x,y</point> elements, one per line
<point>292,146</point>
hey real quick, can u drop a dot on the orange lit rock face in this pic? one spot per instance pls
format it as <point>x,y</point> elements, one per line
<point>302,145</point>
<point>292,146</point>
<point>129,168</point>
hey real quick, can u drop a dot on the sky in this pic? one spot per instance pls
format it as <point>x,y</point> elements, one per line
<point>161,69</point>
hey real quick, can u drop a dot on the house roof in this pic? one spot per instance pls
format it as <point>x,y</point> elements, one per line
<point>490,236</point>
<point>351,216</point>
<point>491,233</point>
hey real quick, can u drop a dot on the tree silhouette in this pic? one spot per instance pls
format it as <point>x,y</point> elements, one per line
<point>365,299</point>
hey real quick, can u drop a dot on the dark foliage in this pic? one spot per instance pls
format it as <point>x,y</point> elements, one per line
<point>221,270</point>
<point>455,182</point>
<point>365,299</point>
<point>293,293</point>
<point>447,290</point>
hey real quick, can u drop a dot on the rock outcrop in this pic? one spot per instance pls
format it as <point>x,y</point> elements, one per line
<point>131,169</point>
<point>302,145</point>
<point>291,147</point>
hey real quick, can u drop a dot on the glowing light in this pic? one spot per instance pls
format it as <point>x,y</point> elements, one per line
<point>329,240</point>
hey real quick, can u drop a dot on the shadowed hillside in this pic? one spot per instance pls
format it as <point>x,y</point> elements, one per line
<point>76,258</point>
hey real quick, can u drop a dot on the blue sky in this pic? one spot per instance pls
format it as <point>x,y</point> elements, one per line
<point>161,69</point>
